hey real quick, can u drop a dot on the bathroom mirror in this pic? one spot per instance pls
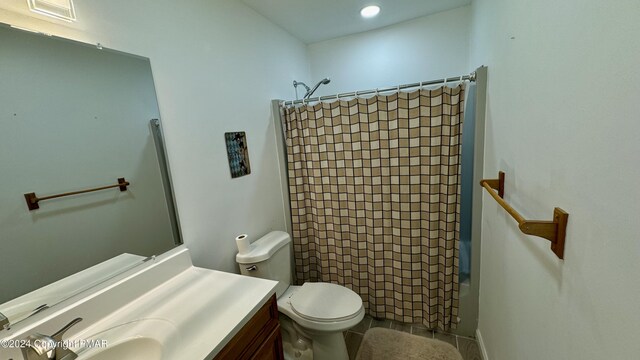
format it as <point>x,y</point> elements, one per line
<point>76,117</point>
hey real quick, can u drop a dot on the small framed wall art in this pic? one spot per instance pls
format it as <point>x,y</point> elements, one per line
<point>238,153</point>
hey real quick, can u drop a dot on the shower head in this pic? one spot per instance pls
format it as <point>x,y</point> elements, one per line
<point>324,81</point>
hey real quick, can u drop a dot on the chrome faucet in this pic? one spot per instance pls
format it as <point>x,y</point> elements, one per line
<point>4,322</point>
<point>39,309</point>
<point>43,347</point>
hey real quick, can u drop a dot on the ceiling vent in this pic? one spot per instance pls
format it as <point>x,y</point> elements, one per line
<point>59,9</point>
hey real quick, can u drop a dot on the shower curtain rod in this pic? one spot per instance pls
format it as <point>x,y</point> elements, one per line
<point>470,77</point>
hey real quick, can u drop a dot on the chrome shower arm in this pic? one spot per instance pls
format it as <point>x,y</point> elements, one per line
<point>310,92</point>
<point>296,83</point>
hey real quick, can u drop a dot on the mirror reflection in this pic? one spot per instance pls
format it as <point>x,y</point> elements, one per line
<point>74,117</point>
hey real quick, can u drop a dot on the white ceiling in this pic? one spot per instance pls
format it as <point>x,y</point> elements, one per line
<point>316,20</point>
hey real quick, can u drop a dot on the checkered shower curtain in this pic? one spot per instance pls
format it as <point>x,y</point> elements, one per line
<point>375,200</point>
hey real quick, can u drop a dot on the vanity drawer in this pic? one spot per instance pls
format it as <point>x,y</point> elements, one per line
<point>257,337</point>
<point>271,349</point>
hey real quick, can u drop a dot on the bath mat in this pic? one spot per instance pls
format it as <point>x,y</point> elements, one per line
<point>387,344</point>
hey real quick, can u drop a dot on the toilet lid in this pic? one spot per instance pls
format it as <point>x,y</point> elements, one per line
<point>324,302</point>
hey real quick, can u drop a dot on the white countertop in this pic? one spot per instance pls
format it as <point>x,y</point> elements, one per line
<point>204,309</point>
<point>207,307</point>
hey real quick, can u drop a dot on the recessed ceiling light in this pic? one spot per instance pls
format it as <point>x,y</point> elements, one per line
<point>59,9</point>
<point>370,11</point>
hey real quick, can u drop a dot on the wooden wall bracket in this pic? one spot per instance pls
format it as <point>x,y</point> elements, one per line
<point>554,230</point>
<point>33,200</point>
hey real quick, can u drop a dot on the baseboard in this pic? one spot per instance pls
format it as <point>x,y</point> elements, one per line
<point>483,350</point>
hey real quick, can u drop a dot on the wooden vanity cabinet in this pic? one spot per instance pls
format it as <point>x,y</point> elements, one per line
<point>259,339</point>
<point>271,349</point>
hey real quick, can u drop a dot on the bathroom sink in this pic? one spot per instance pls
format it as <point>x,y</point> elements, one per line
<point>166,309</point>
<point>149,339</point>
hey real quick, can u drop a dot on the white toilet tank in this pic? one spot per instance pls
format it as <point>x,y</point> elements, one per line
<point>269,258</point>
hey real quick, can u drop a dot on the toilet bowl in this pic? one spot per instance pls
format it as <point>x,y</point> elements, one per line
<point>314,313</point>
<point>321,312</point>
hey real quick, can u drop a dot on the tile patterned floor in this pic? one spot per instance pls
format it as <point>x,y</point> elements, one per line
<point>468,347</point>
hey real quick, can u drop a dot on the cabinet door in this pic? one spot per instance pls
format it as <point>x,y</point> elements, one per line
<point>250,338</point>
<point>271,348</point>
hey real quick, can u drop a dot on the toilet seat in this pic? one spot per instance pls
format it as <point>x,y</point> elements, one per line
<point>342,319</point>
<point>325,302</point>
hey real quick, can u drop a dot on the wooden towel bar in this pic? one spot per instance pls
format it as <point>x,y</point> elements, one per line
<point>553,231</point>
<point>33,200</point>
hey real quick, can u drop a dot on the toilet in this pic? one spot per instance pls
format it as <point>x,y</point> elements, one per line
<point>312,316</point>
